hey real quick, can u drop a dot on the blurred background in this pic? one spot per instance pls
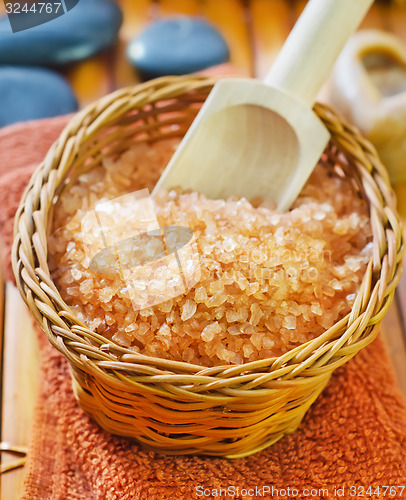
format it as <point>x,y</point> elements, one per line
<point>254,31</point>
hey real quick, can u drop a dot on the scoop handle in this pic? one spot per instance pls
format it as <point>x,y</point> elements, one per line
<point>308,55</point>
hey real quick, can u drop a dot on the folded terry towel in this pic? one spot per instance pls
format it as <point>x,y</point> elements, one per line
<point>353,437</point>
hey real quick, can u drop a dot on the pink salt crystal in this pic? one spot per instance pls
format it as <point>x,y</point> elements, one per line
<point>216,300</point>
<point>234,330</point>
<point>188,310</point>
<point>354,263</point>
<point>258,257</point>
<point>252,288</point>
<point>200,294</point>
<point>188,354</point>
<point>235,358</point>
<point>86,286</point>
<point>340,227</point>
<point>229,244</point>
<point>216,286</point>
<point>319,215</point>
<point>290,322</point>
<point>219,312</point>
<point>105,294</point>
<point>243,315</point>
<point>222,353</point>
<point>256,314</point>
<point>242,282</point>
<point>256,339</point>
<point>335,284</point>
<point>326,320</point>
<point>210,331</point>
<point>164,330</point>
<point>165,306</point>
<point>247,350</point>
<point>226,257</point>
<point>232,315</point>
<point>268,343</point>
<point>316,309</point>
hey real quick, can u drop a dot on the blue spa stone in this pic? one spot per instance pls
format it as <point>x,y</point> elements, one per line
<point>31,93</point>
<point>177,46</point>
<point>85,29</point>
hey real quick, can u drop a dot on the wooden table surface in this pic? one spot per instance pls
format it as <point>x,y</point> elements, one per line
<point>255,30</point>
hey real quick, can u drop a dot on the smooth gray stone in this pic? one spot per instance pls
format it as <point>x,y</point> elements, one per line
<point>28,93</point>
<point>177,46</point>
<point>85,29</point>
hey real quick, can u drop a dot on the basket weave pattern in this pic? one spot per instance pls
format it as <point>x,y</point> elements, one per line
<point>176,407</point>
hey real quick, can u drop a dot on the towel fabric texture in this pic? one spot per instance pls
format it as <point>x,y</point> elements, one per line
<point>353,437</point>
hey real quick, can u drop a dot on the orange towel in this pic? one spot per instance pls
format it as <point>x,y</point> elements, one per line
<point>353,437</point>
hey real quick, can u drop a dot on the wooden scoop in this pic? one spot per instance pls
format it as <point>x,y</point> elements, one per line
<point>256,139</point>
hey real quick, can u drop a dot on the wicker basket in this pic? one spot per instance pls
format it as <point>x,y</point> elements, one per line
<point>176,407</point>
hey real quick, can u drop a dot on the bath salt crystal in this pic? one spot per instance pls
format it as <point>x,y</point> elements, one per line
<point>353,263</point>
<point>226,257</point>
<point>234,330</point>
<point>316,309</point>
<point>279,236</point>
<point>71,245</point>
<point>215,287</point>
<point>242,282</point>
<point>232,315</point>
<point>188,354</point>
<point>106,294</point>
<point>319,215</point>
<point>247,350</point>
<point>289,322</point>
<point>200,294</point>
<point>164,331</point>
<point>188,310</point>
<point>217,299</point>
<point>256,314</point>
<point>229,244</point>
<point>256,339</point>
<point>210,331</point>
<point>334,283</point>
<point>258,257</point>
<point>268,343</point>
<point>268,281</point>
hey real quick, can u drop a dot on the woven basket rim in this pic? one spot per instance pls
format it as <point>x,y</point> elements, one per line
<point>88,350</point>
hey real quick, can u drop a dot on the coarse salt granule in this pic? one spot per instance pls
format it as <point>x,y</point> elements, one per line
<point>269,281</point>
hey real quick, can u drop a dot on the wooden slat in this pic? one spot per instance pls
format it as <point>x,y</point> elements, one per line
<point>230,17</point>
<point>373,19</point>
<point>124,74</point>
<point>401,294</point>
<point>271,21</point>
<point>20,381</point>
<point>393,335</point>
<point>136,14</point>
<point>179,7</point>
<point>400,191</point>
<point>2,303</point>
<point>397,21</point>
<point>299,5</point>
<point>91,79</point>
